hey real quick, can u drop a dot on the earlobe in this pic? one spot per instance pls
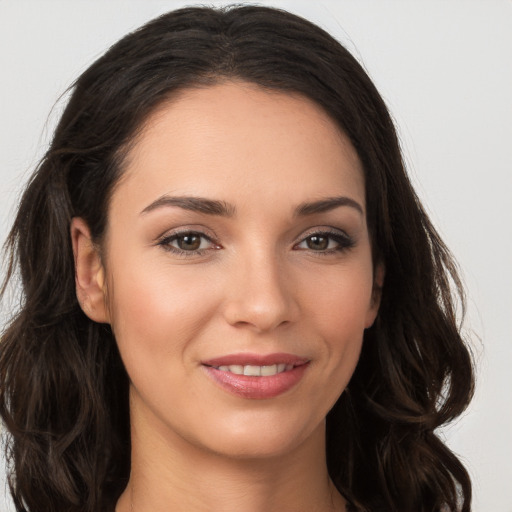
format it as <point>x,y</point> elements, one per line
<point>89,273</point>
<point>378,283</point>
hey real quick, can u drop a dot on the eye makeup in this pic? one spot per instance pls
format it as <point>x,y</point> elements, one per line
<point>325,241</point>
<point>187,243</point>
<point>321,241</point>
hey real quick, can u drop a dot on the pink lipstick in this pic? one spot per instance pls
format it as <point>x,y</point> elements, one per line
<point>256,376</point>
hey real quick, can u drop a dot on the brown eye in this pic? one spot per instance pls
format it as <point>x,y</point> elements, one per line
<point>317,242</point>
<point>189,242</point>
<point>326,242</point>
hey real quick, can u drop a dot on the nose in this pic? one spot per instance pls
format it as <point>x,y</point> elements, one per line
<point>260,294</point>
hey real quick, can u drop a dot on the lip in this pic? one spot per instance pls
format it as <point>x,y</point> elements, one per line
<point>259,388</point>
<point>256,359</point>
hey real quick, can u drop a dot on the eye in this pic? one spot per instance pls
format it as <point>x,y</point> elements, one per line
<point>326,242</point>
<point>187,243</point>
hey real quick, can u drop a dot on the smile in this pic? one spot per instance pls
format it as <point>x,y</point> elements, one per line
<point>256,371</point>
<point>256,376</point>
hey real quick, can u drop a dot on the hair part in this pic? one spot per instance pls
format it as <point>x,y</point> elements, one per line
<point>63,387</point>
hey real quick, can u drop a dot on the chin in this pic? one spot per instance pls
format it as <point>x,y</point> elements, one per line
<point>262,439</point>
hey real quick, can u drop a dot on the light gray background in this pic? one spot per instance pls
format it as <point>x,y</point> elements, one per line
<point>445,69</point>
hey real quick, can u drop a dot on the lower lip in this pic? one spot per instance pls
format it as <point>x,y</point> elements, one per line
<point>257,387</point>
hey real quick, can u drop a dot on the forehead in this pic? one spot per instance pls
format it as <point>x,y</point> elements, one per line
<point>241,140</point>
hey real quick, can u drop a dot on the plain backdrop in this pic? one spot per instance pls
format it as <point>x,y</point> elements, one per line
<point>445,70</point>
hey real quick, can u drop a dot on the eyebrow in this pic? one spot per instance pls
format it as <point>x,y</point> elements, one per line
<point>224,209</point>
<point>327,204</point>
<point>195,204</point>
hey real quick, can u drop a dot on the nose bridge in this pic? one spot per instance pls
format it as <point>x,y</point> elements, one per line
<point>260,295</point>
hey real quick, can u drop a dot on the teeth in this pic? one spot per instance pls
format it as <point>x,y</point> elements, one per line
<point>253,371</point>
<point>269,370</point>
<point>256,371</point>
<point>234,368</point>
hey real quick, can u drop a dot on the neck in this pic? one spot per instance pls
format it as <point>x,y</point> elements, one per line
<point>168,473</point>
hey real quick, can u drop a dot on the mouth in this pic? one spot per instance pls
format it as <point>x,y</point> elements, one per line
<point>256,376</point>
<point>254,370</point>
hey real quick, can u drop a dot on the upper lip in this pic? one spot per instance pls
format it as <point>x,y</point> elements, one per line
<point>256,359</point>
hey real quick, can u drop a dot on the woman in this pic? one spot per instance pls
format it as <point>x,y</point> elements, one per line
<point>233,298</point>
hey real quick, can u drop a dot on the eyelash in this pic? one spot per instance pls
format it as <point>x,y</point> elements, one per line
<point>344,242</point>
<point>166,241</point>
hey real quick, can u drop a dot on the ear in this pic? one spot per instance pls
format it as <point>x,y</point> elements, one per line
<point>89,273</point>
<point>378,283</point>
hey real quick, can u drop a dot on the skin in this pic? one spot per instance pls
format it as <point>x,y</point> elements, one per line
<point>258,284</point>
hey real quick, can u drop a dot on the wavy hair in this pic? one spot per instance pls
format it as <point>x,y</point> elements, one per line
<point>63,387</point>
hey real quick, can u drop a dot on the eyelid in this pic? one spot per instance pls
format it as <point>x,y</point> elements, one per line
<point>324,230</point>
<point>169,236</point>
<point>340,236</point>
<point>187,228</point>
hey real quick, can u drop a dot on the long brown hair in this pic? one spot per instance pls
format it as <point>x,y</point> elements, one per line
<point>63,388</point>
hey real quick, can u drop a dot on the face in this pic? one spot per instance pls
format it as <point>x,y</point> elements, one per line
<point>238,269</point>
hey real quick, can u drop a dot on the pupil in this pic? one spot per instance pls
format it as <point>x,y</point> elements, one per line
<point>189,242</point>
<point>318,242</point>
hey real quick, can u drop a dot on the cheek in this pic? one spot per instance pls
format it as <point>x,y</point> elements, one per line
<point>157,312</point>
<point>338,309</point>
<point>341,301</point>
